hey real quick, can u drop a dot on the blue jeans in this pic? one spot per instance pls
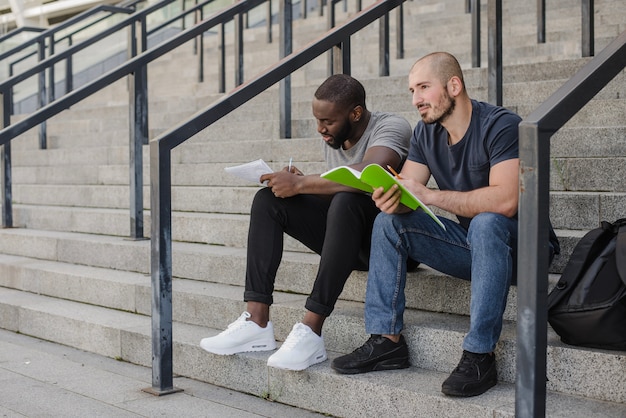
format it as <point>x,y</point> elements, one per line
<point>484,254</point>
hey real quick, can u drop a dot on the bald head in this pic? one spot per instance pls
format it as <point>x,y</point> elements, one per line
<point>443,65</point>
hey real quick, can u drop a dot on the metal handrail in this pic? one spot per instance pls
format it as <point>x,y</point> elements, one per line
<point>160,176</point>
<point>136,68</point>
<point>535,132</point>
<point>67,37</point>
<point>17,31</point>
<point>66,24</point>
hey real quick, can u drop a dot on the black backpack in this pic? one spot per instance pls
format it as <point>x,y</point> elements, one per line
<point>587,307</point>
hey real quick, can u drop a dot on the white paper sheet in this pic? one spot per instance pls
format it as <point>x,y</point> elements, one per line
<point>251,171</point>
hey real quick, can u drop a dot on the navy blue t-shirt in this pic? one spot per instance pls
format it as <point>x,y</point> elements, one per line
<point>492,137</point>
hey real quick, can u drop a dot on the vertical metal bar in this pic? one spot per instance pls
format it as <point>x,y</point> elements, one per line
<point>161,269</point>
<point>43,135</point>
<point>321,8</point>
<point>5,162</point>
<point>51,89</point>
<point>303,8</point>
<point>383,46</point>
<point>343,62</point>
<point>69,71</point>
<point>138,128</point>
<point>221,60</point>
<point>269,21</point>
<point>400,31</point>
<point>359,5</point>
<point>468,6</point>
<point>541,21</point>
<point>587,28</point>
<point>238,20</point>
<point>532,272</point>
<point>200,42</point>
<point>285,48</point>
<point>330,19</point>
<point>494,51</point>
<point>475,33</point>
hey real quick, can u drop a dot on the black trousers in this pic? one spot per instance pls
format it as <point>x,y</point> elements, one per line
<point>337,227</point>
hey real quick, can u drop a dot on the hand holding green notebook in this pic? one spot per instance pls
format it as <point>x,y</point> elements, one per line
<point>372,177</point>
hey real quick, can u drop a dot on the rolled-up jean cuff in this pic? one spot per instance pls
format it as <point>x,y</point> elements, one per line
<point>250,296</point>
<point>317,307</point>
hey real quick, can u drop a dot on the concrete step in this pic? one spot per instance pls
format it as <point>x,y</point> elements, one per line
<point>218,262</point>
<point>127,336</point>
<point>572,208</point>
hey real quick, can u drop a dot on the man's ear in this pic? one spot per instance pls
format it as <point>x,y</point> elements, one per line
<point>455,86</point>
<point>357,112</point>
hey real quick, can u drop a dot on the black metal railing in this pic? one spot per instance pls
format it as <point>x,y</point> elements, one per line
<point>136,24</point>
<point>535,132</point>
<point>534,155</point>
<point>161,167</point>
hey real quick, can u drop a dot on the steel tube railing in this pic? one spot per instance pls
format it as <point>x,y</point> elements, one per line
<point>535,132</point>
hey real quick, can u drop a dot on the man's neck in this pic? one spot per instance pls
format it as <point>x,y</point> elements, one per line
<point>459,120</point>
<point>359,129</point>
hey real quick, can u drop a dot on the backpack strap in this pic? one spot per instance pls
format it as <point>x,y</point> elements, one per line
<point>620,249</point>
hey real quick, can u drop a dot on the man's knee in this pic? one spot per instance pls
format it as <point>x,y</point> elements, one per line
<point>489,223</point>
<point>263,200</point>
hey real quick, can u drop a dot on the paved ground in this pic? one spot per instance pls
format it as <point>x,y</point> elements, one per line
<point>43,379</point>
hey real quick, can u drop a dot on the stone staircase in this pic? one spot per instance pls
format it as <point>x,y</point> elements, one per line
<point>70,274</point>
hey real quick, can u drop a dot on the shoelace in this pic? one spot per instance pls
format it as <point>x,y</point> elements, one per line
<point>468,364</point>
<point>294,337</point>
<point>238,324</point>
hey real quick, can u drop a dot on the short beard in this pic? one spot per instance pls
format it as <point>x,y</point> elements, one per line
<point>341,137</point>
<point>450,105</point>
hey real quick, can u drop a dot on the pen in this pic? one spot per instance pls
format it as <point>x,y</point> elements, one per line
<point>394,172</point>
<point>290,160</point>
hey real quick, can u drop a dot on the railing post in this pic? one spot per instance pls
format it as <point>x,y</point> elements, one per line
<point>383,46</point>
<point>138,130</point>
<point>532,272</point>
<point>199,42</point>
<point>342,63</point>
<point>541,21</point>
<point>161,269</point>
<point>587,29</point>
<point>494,51</point>
<point>5,162</point>
<point>285,48</point>
<point>330,19</point>
<point>221,60</point>
<point>43,135</point>
<point>269,21</point>
<point>69,72</point>
<point>51,87</point>
<point>400,32</point>
<point>238,21</point>
<point>475,33</point>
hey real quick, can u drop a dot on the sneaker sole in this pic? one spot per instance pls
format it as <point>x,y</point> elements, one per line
<point>392,364</point>
<point>252,346</point>
<point>317,358</point>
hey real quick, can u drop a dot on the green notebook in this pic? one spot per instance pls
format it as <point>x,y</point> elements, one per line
<point>372,177</point>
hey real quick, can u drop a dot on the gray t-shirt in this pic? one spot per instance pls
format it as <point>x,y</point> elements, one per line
<point>383,130</point>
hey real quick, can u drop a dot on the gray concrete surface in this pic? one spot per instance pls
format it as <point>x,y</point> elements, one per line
<point>42,379</point>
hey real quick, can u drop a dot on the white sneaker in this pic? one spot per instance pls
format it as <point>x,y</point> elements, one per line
<point>301,349</point>
<point>241,336</point>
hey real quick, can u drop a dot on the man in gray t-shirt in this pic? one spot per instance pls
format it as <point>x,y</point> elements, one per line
<point>333,220</point>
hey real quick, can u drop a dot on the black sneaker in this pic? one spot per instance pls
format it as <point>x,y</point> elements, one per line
<point>378,353</point>
<point>474,375</point>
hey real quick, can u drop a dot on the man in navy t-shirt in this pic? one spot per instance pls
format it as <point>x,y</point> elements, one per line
<point>471,150</point>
